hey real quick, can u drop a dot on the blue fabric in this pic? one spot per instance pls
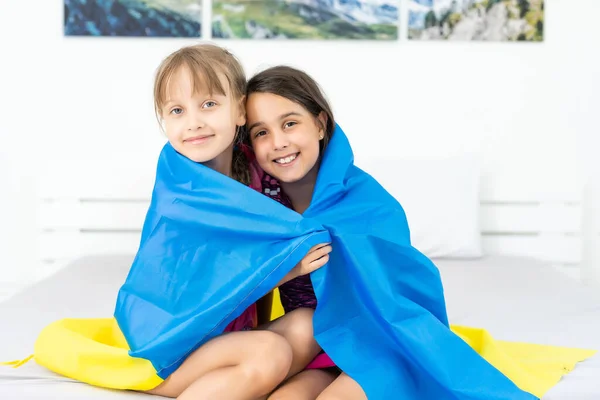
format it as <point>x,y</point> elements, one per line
<point>211,247</point>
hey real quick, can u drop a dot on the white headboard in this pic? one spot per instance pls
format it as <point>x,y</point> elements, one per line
<point>101,210</point>
<point>531,222</point>
<point>590,271</point>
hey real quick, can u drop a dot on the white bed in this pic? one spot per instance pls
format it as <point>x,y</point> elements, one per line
<point>514,298</point>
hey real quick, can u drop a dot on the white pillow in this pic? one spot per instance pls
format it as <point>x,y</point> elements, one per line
<point>441,200</point>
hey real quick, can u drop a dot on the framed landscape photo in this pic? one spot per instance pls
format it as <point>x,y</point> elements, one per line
<point>137,18</point>
<point>476,20</point>
<point>305,19</point>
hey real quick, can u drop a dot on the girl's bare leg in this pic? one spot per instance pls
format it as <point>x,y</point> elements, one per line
<point>235,366</point>
<point>306,385</point>
<point>343,388</point>
<point>297,328</point>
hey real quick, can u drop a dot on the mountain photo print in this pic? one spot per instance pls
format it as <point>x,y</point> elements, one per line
<point>305,19</point>
<point>135,18</point>
<point>476,20</point>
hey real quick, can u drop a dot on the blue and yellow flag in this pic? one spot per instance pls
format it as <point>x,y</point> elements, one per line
<point>211,247</point>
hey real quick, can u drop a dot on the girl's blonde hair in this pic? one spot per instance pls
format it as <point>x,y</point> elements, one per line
<point>206,62</point>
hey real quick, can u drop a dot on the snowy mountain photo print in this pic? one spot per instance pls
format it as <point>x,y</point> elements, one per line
<point>305,19</point>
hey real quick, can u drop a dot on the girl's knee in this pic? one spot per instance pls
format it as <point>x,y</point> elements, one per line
<point>343,388</point>
<point>329,395</point>
<point>299,327</point>
<point>270,362</point>
<point>281,394</point>
<point>302,315</point>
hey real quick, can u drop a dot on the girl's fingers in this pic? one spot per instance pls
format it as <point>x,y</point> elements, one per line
<point>319,253</point>
<point>318,247</point>
<point>322,251</point>
<point>319,262</point>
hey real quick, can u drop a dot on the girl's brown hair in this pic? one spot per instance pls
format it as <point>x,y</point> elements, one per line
<point>207,62</point>
<point>297,86</point>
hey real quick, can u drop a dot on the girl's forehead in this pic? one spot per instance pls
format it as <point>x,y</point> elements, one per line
<point>186,82</point>
<point>270,103</point>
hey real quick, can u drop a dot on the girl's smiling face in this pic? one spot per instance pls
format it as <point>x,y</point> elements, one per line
<point>200,125</point>
<point>285,136</point>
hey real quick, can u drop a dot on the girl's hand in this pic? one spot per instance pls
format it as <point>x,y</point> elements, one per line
<point>314,259</point>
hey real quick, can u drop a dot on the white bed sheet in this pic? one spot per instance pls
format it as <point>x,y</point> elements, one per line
<point>515,299</point>
<point>524,300</point>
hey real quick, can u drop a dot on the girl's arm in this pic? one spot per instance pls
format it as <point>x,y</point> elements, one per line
<point>294,273</point>
<point>314,259</point>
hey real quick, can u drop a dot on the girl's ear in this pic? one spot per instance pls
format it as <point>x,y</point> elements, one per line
<point>322,119</point>
<point>241,119</point>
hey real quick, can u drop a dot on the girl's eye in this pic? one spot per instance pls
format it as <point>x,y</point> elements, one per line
<point>176,111</point>
<point>209,104</point>
<point>260,133</point>
<point>289,124</point>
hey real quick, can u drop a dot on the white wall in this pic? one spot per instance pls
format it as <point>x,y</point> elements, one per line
<point>526,108</point>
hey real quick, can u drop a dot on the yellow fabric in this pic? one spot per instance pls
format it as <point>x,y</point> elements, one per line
<point>17,363</point>
<point>277,308</point>
<point>95,351</point>
<point>533,368</point>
